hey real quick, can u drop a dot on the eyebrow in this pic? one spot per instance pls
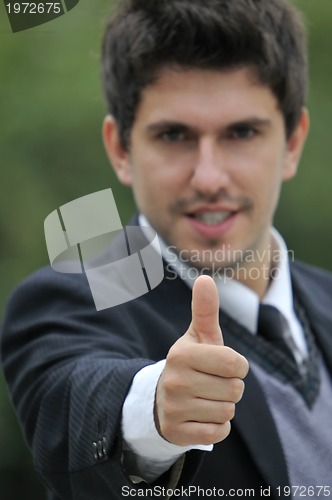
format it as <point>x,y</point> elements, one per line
<point>167,124</point>
<point>246,122</point>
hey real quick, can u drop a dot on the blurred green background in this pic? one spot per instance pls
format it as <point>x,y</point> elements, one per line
<point>51,110</point>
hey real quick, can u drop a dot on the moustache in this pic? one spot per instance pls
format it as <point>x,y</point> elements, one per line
<point>189,205</point>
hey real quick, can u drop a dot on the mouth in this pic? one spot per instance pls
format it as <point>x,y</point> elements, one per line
<point>212,222</point>
<point>212,218</point>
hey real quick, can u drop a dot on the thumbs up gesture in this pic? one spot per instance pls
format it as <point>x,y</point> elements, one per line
<point>202,379</point>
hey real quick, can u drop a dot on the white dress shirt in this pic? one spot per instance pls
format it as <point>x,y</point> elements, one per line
<point>147,452</point>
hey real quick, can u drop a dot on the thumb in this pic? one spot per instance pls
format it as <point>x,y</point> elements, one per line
<point>205,312</point>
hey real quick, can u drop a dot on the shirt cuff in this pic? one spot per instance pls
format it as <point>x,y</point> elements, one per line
<point>138,426</point>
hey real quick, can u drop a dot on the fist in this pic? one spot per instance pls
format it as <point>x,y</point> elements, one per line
<point>202,379</point>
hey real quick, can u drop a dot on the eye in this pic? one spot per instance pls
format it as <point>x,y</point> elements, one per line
<point>243,133</point>
<point>174,135</point>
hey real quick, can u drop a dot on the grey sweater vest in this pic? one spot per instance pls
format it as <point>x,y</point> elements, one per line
<point>300,404</point>
<point>305,432</point>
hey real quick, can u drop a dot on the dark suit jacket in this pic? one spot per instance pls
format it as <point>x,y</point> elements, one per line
<point>69,369</point>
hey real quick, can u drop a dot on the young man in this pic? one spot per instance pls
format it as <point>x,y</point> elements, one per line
<point>206,120</point>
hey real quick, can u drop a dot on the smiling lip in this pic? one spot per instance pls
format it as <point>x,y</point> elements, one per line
<point>212,223</point>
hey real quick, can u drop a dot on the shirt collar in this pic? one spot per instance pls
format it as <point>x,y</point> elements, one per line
<point>239,301</point>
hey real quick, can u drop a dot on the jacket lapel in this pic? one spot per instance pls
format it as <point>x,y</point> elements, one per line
<point>314,291</point>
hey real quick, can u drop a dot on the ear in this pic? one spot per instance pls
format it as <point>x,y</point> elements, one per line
<point>117,154</point>
<point>295,146</point>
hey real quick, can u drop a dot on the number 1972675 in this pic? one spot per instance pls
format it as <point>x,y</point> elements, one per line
<point>34,8</point>
<point>304,491</point>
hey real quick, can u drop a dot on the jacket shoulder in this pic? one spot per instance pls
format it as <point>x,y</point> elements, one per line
<point>312,274</point>
<point>47,285</point>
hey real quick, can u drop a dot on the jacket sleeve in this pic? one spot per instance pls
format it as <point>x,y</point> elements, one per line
<point>69,368</point>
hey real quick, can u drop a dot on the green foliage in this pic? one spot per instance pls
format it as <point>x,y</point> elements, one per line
<point>304,215</point>
<point>51,153</point>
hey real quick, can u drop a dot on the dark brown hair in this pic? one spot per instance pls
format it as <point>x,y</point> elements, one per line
<point>145,35</point>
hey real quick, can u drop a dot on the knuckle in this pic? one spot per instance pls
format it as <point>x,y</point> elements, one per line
<point>246,367</point>
<point>230,362</point>
<point>243,366</point>
<point>172,388</point>
<point>175,355</point>
<point>235,365</point>
<point>180,356</point>
<point>225,431</point>
<point>236,389</point>
<point>228,412</point>
<point>176,379</point>
<point>171,384</point>
<point>210,434</point>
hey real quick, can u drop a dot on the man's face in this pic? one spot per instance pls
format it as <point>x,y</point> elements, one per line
<point>207,157</point>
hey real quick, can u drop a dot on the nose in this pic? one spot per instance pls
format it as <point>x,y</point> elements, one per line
<point>210,174</point>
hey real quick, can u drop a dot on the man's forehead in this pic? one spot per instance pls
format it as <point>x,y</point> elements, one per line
<point>181,94</point>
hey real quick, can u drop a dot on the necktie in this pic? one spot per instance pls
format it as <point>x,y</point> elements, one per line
<point>273,326</point>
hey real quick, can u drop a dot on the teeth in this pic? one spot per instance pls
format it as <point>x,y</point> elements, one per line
<point>212,218</point>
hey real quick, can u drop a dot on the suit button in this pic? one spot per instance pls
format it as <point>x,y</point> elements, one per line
<point>95,451</point>
<point>99,449</point>
<point>104,446</point>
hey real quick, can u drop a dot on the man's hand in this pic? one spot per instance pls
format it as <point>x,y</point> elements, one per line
<point>202,379</point>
